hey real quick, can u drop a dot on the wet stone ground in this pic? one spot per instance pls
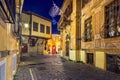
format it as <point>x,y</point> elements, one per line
<point>53,67</point>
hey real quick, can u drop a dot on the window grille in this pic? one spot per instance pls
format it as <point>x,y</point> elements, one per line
<point>88,29</point>
<point>112,19</point>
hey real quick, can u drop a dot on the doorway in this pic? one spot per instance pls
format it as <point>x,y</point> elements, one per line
<point>24,48</point>
<point>90,58</point>
<point>67,48</point>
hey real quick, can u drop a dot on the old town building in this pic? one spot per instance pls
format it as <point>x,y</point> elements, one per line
<point>100,30</point>
<point>54,44</point>
<point>10,11</point>
<point>69,26</point>
<point>36,30</point>
<point>91,28</point>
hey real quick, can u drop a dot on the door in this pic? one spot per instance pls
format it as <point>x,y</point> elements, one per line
<point>24,48</point>
<point>90,58</point>
<point>67,48</point>
<point>54,49</point>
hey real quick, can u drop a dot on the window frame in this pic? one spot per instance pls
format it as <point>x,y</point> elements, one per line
<point>86,29</point>
<point>35,28</point>
<point>112,20</point>
<point>42,28</point>
<point>47,28</point>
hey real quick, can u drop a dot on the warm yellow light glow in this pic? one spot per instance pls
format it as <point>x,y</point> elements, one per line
<point>26,25</point>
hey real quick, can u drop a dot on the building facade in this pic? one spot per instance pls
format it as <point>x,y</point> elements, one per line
<point>97,38</point>
<point>36,30</point>
<point>10,11</point>
<point>54,44</point>
<point>69,26</point>
<point>100,34</point>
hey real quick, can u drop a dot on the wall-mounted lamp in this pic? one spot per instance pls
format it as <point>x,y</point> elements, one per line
<point>26,25</point>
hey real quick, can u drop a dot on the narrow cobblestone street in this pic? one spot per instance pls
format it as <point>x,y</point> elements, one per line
<point>52,67</point>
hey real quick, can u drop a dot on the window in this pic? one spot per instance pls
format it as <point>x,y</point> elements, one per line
<point>112,19</point>
<point>47,30</point>
<point>35,26</point>
<point>88,29</point>
<point>32,42</point>
<point>42,28</point>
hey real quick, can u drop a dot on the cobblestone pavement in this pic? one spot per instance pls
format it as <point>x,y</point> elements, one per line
<point>55,68</point>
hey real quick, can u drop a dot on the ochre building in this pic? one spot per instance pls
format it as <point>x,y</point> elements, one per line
<point>98,32</point>
<point>69,26</point>
<point>10,11</point>
<point>36,30</point>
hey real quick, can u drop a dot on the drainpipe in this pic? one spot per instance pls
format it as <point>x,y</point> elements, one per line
<point>30,29</point>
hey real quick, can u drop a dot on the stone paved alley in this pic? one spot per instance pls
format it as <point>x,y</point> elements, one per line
<point>53,67</point>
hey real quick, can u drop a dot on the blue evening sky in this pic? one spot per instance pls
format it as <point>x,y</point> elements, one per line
<point>42,8</point>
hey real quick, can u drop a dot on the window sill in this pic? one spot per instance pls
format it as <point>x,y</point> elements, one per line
<point>113,38</point>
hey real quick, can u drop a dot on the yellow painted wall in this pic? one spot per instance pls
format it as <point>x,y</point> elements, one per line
<point>100,60</point>
<point>38,48</point>
<point>96,10</point>
<point>7,40</point>
<point>70,29</point>
<point>63,37</point>
<point>73,27</point>
<point>9,43</point>
<point>41,21</point>
<point>72,55</point>
<point>25,20</point>
<point>83,56</point>
<point>3,36</point>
